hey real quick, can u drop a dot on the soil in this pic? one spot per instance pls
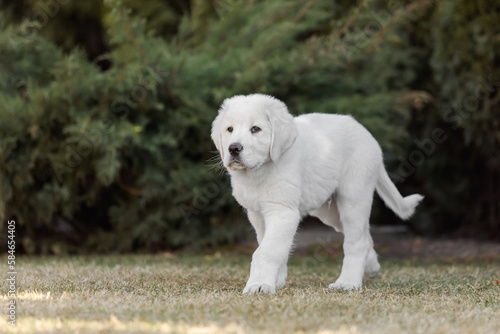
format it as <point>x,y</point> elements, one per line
<point>397,242</point>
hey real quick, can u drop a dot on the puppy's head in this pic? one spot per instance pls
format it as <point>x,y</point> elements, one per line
<point>252,130</point>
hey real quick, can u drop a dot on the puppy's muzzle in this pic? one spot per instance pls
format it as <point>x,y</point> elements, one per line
<point>235,149</point>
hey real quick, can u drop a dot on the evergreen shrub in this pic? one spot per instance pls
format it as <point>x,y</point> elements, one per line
<point>118,158</point>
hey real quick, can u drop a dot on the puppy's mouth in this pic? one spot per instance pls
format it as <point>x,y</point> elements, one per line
<point>236,163</point>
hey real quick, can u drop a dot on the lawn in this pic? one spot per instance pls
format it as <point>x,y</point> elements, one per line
<point>197,293</point>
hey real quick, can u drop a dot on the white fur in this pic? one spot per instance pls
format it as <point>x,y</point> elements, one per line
<point>323,165</point>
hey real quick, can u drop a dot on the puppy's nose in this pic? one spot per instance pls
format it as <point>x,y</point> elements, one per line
<point>235,148</point>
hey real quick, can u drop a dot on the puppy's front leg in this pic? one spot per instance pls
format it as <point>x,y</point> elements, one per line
<point>258,224</point>
<point>280,228</point>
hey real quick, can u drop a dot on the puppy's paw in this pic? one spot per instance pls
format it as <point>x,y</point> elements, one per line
<point>282,275</point>
<point>348,286</point>
<point>372,269</point>
<point>280,282</point>
<point>259,288</point>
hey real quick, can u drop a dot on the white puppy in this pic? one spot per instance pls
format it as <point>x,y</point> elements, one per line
<point>284,168</point>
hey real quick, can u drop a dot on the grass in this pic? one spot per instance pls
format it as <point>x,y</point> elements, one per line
<point>202,294</point>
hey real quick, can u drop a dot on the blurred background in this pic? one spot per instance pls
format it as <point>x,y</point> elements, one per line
<point>106,109</point>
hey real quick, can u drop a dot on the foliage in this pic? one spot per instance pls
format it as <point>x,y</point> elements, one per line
<point>464,176</point>
<point>100,157</point>
<point>109,151</point>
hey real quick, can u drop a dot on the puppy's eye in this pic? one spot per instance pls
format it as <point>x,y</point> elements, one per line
<point>230,129</point>
<point>255,129</point>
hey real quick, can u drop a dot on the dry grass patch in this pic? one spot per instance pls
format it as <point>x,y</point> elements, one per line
<point>202,294</point>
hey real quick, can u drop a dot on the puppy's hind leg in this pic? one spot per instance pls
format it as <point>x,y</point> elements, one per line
<point>372,267</point>
<point>354,214</point>
<point>329,215</point>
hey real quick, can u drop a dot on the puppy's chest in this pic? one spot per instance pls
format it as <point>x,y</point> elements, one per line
<point>249,196</point>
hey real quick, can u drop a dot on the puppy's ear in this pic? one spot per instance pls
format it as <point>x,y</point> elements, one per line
<point>216,127</point>
<point>284,130</point>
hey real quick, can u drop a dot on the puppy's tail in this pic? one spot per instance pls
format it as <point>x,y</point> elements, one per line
<point>404,207</point>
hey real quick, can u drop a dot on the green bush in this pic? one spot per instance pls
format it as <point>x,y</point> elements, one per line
<point>106,161</point>
<point>120,159</point>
